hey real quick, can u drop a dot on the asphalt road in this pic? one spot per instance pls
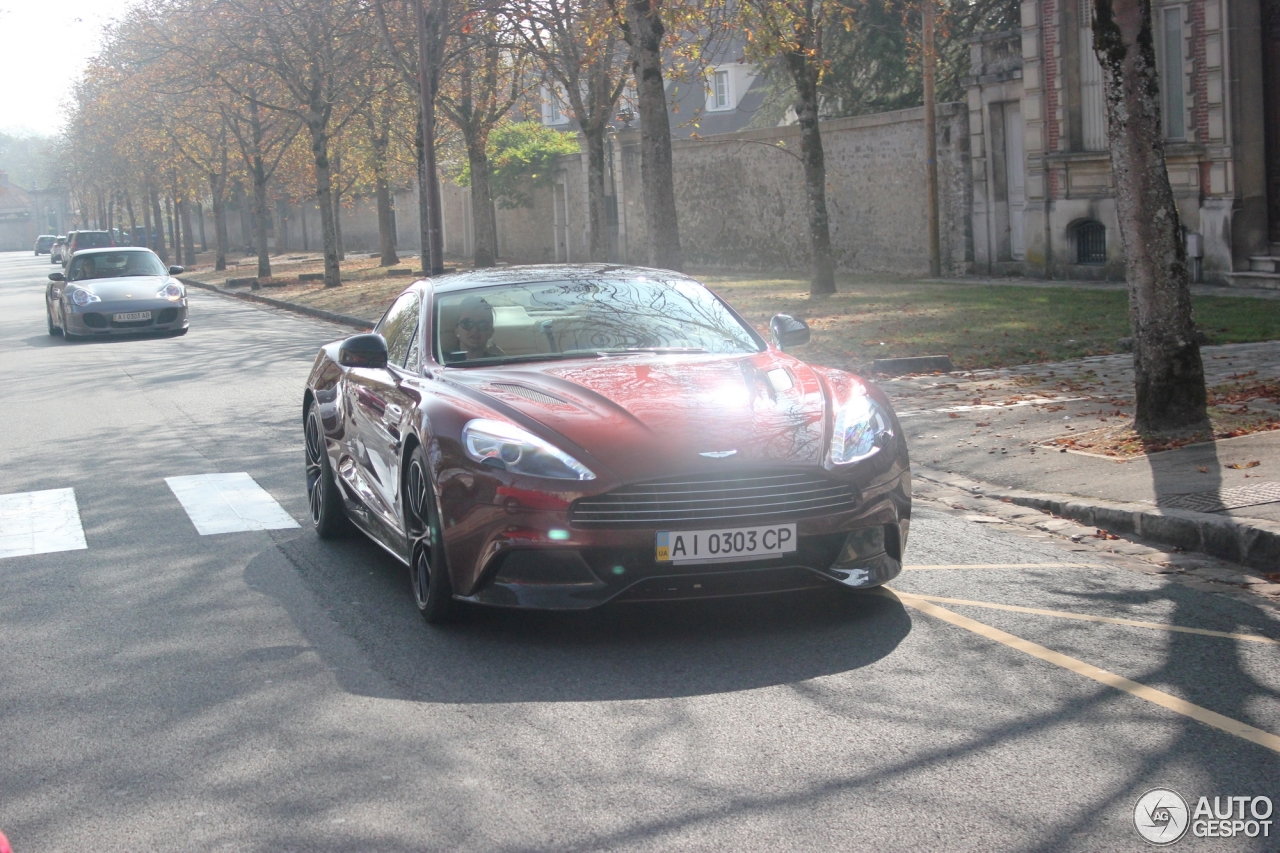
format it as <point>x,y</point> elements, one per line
<point>163,690</point>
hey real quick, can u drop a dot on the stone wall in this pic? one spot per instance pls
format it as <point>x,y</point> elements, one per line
<point>740,199</point>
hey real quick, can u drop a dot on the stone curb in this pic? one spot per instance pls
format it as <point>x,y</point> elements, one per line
<point>1250,542</point>
<point>318,313</point>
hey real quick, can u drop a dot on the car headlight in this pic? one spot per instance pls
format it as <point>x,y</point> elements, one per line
<point>506,446</point>
<point>170,291</point>
<point>862,427</point>
<point>83,297</point>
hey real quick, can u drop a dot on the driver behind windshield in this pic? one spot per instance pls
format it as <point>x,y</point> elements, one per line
<point>475,328</point>
<point>88,269</point>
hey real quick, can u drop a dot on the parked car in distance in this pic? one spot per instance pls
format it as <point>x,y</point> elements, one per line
<point>116,290</point>
<point>80,240</point>
<point>562,436</point>
<point>44,243</point>
<point>55,251</point>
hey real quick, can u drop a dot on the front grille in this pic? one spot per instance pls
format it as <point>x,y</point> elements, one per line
<point>730,498</point>
<point>95,321</point>
<point>168,315</point>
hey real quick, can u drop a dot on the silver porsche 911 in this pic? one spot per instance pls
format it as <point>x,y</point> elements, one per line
<point>121,290</point>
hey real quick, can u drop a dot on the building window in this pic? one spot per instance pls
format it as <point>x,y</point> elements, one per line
<point>1091,243</point>
<point>553,107</point>
<point>1093,98</point>
<point>1171,74</point>
<point>720,96</point>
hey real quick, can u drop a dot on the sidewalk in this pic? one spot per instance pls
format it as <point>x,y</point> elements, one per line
<point>1221,498</point>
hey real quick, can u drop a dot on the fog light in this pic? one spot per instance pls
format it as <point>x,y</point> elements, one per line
<point>862,545</point>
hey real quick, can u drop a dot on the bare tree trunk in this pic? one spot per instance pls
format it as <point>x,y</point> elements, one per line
<point>133,220</point>
<point>260,214</point>
<point>428,174</point>
<point>644,34</point>
<point>382,192</point>
<point>337,222</point>
<point>160,248</point>
<point>424,201</point>
<point>146,223</point>
<point>822,277</point>
<point>597,215</point>
<point>281,212</point>
<point>324,195</point>
<point>1168,372</point>
<point>217,188</point>
<point>173,236</point>
<point>483,225</point>
<point>188,239</point>
<point>931,142</point>
<point>204,244</point>
<point>335,176</point>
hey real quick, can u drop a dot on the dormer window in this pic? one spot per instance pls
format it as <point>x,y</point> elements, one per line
<point>720,96</point>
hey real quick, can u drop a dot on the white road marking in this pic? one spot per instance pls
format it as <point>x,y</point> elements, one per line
<point>40,523</point>
<point>228,503</point>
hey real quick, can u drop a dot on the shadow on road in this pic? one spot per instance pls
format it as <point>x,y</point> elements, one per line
<point>623,651</point>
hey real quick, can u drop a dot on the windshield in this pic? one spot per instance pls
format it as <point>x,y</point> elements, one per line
<point>609,316</point>
<point>114,265</point>
<point>92,240</point>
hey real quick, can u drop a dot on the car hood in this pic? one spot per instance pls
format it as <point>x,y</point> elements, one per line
<point>646,416</point>
<point>136,287</point>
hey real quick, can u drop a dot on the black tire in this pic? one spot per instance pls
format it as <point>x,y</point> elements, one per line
<point>54,331</point>
<point>428,572</point>
<point>327,513</point>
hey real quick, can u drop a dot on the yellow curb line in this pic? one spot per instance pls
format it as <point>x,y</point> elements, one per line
<point>1102,676</point>
<point>943,566</point>
<point>1110,620</point>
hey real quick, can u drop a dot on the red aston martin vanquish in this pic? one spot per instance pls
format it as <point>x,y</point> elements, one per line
<point>562,436</point>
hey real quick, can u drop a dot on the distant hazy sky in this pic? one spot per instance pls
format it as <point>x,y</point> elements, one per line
<point>44,45</point>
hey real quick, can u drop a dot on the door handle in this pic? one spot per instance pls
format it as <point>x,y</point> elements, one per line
<point>391,414</point>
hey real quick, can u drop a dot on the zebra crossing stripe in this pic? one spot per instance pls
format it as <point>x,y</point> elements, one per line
<point>40,523</point>
<point>228,503</point>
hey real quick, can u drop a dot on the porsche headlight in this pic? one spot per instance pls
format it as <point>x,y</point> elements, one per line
<point>170,291</point>
<point>506,446</point>
<point>83,297</point>
<point>862,427</point>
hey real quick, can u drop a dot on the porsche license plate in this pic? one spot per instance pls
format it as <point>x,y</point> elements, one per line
<point>725,546</point>
<point>135,315</point>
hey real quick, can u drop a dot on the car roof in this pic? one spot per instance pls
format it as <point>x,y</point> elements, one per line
<point>534,273</point>
<point>112,250</point>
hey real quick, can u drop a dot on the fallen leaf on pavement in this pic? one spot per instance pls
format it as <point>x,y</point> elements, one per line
<point>1202,469</point>
<point>1241,465</point>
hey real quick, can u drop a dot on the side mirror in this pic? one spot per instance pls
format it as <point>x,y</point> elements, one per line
<point>368,350</point>
<point>56,276</point>
<point>177,270</point>
<point>788,331</point>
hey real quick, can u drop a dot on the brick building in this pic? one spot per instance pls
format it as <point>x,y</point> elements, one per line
<point>1043,198</point>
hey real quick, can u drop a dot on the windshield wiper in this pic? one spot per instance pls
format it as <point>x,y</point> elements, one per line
<point>604,353</point>
<point>497,361</point>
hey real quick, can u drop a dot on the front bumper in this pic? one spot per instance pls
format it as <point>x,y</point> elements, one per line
<point>97,318</point>
<point>537,561</point>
